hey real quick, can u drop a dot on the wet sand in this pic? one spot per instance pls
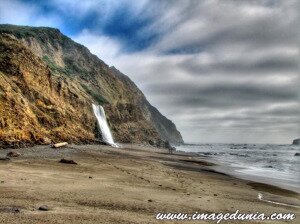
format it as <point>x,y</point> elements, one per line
<point>128,185</point>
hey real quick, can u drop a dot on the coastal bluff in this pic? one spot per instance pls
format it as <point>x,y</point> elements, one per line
<point>296,141</point>
<point>48,84</point>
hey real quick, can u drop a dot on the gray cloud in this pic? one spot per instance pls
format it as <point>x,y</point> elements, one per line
<point>222,95</point>
<point>223,71</point>
<point>274,63</point>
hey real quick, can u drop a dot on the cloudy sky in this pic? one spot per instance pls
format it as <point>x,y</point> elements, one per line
<point>222,70</point>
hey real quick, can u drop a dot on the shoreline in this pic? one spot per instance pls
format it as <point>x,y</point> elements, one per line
<point>216,167</point>
<point>242,169</point>
<point>234,172</point>
<point>124,185</point>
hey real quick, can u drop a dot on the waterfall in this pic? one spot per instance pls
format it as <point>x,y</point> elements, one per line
<point>101,118</point>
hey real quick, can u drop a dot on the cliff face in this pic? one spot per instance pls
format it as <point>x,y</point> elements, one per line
<point>34,106</point>
<point>48,83</point>
<point>296,141</point>
<point>165,127</point>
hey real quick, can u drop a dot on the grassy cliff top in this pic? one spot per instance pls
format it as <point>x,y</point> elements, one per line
<point>25,31</point>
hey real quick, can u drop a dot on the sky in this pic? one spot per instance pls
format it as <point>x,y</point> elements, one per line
<point>224,71</point>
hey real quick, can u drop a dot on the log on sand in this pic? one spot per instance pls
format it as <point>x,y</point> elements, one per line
<point>58,145</point>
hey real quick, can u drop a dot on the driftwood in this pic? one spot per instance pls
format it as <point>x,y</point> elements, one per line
<point>61,144</point>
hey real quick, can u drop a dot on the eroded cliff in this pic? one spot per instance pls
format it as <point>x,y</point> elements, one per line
<point>48,83</point>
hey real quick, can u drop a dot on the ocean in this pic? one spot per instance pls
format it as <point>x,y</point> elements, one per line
<point>266,163</point>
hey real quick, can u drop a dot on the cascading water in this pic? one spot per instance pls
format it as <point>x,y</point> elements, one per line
<point>101,118</point>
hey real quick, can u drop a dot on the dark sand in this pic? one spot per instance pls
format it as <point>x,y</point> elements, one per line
<point>129,185</point>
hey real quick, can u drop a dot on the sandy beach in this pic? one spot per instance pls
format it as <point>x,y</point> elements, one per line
<point>125,185</point>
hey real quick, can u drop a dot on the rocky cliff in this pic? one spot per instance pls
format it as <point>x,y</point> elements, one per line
<point>296,141</point>
<point>48,83</point>
<point>165,127</point>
